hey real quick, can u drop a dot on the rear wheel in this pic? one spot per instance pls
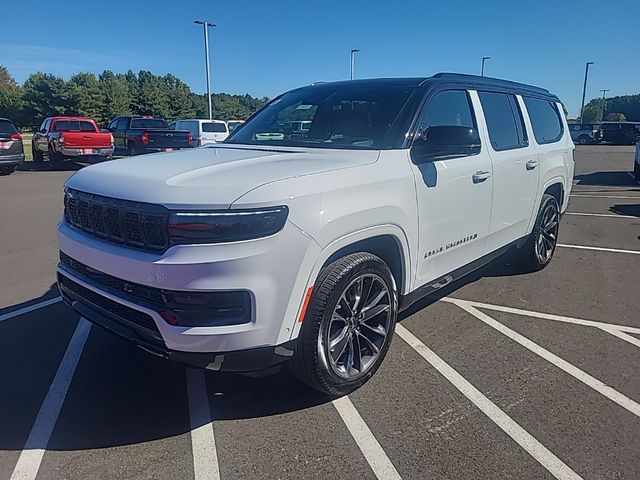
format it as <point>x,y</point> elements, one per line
<point>56,160</point>
<point>348,326</point>
<point>584,140</point>
<point>131,151</point>
<point>37,154</point>
<point>539,248</point>
<point>7,170</point>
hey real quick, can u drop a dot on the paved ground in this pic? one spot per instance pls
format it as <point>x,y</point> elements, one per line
<point>508,376</point>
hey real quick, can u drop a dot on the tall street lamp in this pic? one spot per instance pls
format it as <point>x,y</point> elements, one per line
<point>205,26</point>
<point>604,101</point>
<point>484,59</point>
<point>584,90</point>
<point>353,61</point>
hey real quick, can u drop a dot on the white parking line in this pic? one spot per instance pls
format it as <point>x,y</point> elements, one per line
<point>599,249</point>
<point>203,443</point>
<point>546,316</point>
<point>30,308</point>
<point>36,444</point>
<point>622,197</point>
<point>611,215</point>
<point>605,390</point>
<point>533,447</point>
<point>369,446</point>
<point>622,336</point>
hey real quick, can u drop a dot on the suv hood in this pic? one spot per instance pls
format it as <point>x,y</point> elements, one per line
<point>209,177</point>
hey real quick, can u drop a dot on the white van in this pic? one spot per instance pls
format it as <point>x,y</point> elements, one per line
<point>204,132</point>
<point>274,247</point>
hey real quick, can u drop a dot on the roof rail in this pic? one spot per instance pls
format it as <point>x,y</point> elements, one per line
<point>476,79</point>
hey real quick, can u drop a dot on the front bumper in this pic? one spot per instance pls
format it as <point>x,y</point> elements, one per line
<point>87,152</point>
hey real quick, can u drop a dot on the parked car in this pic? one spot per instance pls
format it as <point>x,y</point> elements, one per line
<point>203,132</point>
<point>61,138</point>
<point>636,163</point>
<point>233,124</point>
<point>11,148</point>
<point>620,133</point>
<point>583,133</point>
<point>272,247</point>
<point>135,135</point>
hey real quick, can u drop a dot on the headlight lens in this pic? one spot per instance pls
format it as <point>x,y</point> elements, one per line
<point>225,226</point>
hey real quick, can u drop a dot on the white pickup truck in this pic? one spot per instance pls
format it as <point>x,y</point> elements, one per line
<point>302,246</point>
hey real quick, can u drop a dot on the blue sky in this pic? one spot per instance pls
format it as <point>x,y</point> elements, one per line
<point>264,48</point>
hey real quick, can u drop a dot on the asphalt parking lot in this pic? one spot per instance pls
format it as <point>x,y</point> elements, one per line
<point>506,376</point>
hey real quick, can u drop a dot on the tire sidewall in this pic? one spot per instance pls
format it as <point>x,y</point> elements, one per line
<point>547,201</point>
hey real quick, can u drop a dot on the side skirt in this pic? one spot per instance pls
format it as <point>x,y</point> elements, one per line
<point>431,287</point>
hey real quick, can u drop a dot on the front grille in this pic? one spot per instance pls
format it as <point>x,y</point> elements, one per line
<point>135,224</point>
<point>122,311</point>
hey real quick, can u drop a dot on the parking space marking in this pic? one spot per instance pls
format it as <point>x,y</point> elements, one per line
<point>599,249</point>
<point>545,316</point>
<point>533,447</point>
<point>605,196</point>
<point>611,215</point>
<point>369,446</point>
<point>600,387</point>
<point>30,308</point>
<point>622,336</point>
<point>31,456</point>
<point>203,443</point>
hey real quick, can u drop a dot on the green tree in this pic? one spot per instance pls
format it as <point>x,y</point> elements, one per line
<point>11,103</point>
<point>616,117</point>
<point>117,95</point>
<point>153,98</point>
<point>179,98</point>
<point>86,96</point>
<point>45,95</point>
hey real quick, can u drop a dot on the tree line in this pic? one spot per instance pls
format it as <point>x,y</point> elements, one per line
<point>616,109</point>
<point>108,94</point>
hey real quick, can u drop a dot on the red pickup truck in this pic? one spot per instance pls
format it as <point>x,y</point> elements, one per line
<point>60,138</point>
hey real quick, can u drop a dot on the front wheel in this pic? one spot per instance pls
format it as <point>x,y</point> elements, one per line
<point>539,248</point>
<point>348,326</point>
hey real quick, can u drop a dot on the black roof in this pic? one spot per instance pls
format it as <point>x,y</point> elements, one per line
<point>470,81</point>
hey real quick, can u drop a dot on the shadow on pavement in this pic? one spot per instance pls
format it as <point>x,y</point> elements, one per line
<point>626,209</point>
<point>52,292</point>
<point>46,167</point>
<point>607,179</point>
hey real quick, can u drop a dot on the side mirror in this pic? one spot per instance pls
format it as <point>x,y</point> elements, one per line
<point>444,142</point>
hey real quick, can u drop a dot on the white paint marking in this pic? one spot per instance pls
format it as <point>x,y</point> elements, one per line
<point>604,196</point>
<point>610,215</point>
<point>533,447</point>
<point>36,444</point>
<point>622,336</point>
<point>605,390</point>
<point>30,308</point>
<point>598,249</point>
<point>369,446</point>
<point>203,443</point>
<point>546,316</point>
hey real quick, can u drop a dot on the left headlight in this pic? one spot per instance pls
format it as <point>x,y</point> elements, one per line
<point>191,227</point>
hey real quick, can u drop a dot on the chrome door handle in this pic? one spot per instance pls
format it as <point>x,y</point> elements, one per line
<point>531,164</point>
<point>480,176</point>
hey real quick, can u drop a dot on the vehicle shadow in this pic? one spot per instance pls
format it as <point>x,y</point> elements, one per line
<point>632,210</point>
<point>67,166</point>
<point>121,395</point>
<point>613,178</point>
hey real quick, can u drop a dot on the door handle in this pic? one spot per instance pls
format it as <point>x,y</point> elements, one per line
<point>480,176</point>
<point>531,164</point>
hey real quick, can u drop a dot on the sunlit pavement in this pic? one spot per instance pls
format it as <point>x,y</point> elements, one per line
<point>506,376</point>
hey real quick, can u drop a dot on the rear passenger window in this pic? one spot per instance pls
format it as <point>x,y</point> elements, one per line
<point>504,121</point>
<point>545,120</point>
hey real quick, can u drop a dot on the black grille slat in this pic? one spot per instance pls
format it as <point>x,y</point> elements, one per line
<point>122,311</point>
<point>134,224</point>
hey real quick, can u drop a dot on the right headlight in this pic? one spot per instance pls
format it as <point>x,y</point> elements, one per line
<point>189,227</point>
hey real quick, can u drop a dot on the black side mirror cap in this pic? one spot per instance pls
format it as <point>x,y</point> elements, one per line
<point>445,142</point>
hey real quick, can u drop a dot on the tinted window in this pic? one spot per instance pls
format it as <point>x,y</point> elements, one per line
<point>7,127</point>
<point>148,123</point>
<point>341,115</point>
<point>449,108</point>
<point>545,119</point>
<point>504,121</point>
<point>214,127</point>
<point>73,126</point>
<point>122,124</point>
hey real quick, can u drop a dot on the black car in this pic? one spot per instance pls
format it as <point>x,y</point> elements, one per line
<point>620,133</point>
<point>11,149</point>
<point>135,135</point>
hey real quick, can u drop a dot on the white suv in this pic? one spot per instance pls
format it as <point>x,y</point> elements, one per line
<point>283,244</point>
<point>203,132</point>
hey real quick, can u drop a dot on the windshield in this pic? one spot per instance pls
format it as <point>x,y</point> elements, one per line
<point>353,116</point>
<point>148,123</point>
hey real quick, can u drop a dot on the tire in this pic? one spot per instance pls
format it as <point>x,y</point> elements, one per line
<point>539,248</point>
<point>37,154</point>
<point>329,317</point>
<point>636,171</point>
<point>56,159</point>
<point>131,151</point>
<point>7,170</point>
<point>584,140</point>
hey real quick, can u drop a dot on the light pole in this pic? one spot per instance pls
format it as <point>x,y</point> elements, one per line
<point>205,26</point>
<point>482,68</point>
<point>604,101</point>
<point>353,61</point>
<point>584,90</point>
